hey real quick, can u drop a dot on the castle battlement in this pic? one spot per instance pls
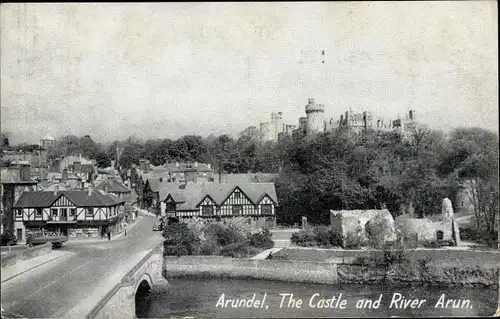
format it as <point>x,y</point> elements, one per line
<point>314,107</point>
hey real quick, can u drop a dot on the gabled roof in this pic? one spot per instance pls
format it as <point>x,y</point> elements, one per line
<point>97,198</point>
<point>193,194</point>
<point>113,186</point>
<point>131,197</point>
<point>48,137</point>
<point>173,189</point>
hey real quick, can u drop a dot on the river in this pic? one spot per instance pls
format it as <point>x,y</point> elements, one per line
<point>198,297</point>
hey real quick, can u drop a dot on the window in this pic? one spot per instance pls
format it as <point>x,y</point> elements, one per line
<point>439,235</point>
<point>237,209</point>
<point>19,212</point>
<point>38,212</point>
<point>72,212</point>
<point>54,212</point>
<point>266,209</point>
<point>237,195</point>
<point>207,210</point>
<point>89,212</point>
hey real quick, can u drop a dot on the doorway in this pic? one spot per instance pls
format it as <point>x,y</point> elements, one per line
<point>19,234</point>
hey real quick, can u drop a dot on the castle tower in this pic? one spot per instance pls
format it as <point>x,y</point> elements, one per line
<point>315,117</point>
<point>278,123</point>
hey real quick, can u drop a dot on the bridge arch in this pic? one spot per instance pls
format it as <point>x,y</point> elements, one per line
<point>142,295</point>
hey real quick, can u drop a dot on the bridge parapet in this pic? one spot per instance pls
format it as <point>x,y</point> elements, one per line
<point>145,276</point>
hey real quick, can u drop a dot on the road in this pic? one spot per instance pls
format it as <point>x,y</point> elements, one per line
<point>51,290</point>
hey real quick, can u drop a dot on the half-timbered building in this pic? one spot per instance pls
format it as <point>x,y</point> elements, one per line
<point>75,213</point>
<point>255,201</point>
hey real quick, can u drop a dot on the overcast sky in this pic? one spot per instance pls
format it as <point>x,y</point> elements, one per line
<point>157,70</point>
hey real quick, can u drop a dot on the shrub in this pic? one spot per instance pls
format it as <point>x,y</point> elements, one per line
<point>224,235</point>
<point>239,250</point>
<point>8,237</point>
<point>326,236</point>
<point>239,224</point>
<point>209,247</point>
<point>262,239</point>
<point>431,244</point>
<point>302,237</point>
<point>197,225</point>
<point>180,240</point>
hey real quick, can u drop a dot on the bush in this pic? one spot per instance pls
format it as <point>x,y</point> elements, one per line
<point>224,235</point>
<point>180,240</point>
<point>209,247</point>
<point>326,237</point>
<point>8,238</point>
<point>196,225</point>
<point>431,244</point>
<point>303,237</point>
<point>239,250</point>
<point>262,239</point>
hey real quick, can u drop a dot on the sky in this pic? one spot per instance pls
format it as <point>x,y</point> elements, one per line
<point>163,70</point>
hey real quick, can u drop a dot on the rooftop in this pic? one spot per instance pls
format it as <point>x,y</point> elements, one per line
<point>80,198</point>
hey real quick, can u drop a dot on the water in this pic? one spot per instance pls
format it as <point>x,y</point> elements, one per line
<point>197,297</point>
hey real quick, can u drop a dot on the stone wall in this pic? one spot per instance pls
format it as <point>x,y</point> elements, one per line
<point>343,270</point>
<point>37,251</point>
<point>296,271</point>
<point>352,224</point>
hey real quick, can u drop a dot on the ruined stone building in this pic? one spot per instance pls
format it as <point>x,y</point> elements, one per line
<point>270,131</point>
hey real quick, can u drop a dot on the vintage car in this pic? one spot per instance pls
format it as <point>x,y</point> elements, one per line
<point>158,226</point>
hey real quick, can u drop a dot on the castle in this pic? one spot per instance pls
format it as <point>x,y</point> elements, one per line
<point>314,122</point>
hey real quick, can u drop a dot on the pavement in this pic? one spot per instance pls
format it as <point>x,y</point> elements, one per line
<point>129,228</point>
<point>263,255</point>
<point>24,266</point>
<point>53,289</point>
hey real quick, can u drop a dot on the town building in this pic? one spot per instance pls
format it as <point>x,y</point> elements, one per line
<point>114,186</point>
<point>14,182</point>
<point>82,167</point>
<point>190,172</point>
<point>257,202</point>
<point>75,213</point>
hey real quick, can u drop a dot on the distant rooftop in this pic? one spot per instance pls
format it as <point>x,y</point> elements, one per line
<point>48,137</point>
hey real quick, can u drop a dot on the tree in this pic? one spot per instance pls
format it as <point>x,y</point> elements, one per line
<point>102,159</point>
<point>473,159</point>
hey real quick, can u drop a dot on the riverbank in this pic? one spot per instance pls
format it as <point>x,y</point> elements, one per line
<point>416,269</point>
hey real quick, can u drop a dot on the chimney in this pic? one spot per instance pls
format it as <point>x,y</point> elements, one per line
<point>25,172</point>
<point>65,174</point>
<point>89,190</point>
<point>56,190</point>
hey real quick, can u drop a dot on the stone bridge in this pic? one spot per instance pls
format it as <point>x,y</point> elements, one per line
<point>130,298</point>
